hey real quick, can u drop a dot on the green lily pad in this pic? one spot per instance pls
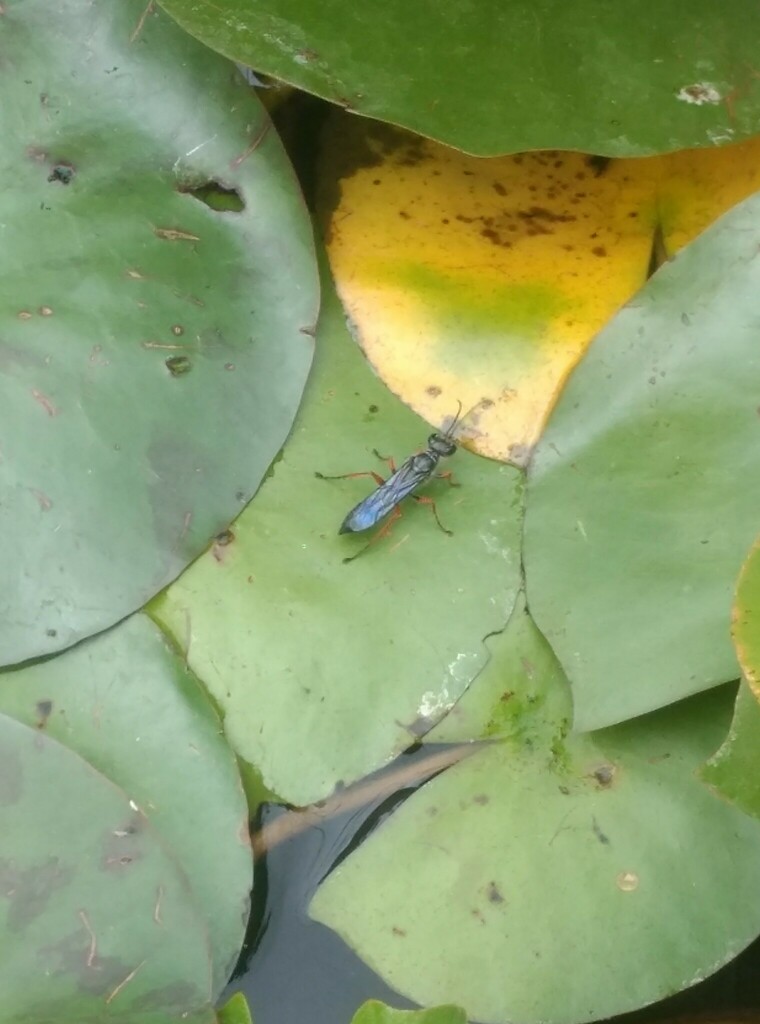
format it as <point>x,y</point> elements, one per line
<point>734,771</point>
<point>326,670</point>
<point>153,351</point>
<point>631,544</point>
<point>126,703</point>
<point>595,871</point>
<point>375,1012</point>
<point>497,77</point>
<point>96,919</point>
<point>235,1010</point>
<point>746,619</point>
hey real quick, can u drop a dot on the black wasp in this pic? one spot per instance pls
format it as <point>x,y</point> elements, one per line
<point>402,483</point>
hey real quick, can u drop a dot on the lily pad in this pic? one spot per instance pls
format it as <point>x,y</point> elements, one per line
<point>548,853</point>
<point>126,703</point>
<point>375,1012</point>
<point>324,670</point>
<point>498,77</point>
<point>631,549</point>
<point>470,278</point>
<point>153,350</point>
<point>96,919</point>
<point>735,769</point>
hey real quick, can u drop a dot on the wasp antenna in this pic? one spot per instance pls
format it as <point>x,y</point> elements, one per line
<point>455,421</point>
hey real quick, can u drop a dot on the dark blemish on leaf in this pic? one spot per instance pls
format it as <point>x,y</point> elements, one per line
<point>686,319</point>
<point>476,913</point>
<point>62,173</point>
<point>598,833</point>
<point>564,790</point>
<point>51,632</point>
<point>598,164</point>
<point>434,391</point>
<point>374,408</point>
<point>218,197</point>
<point>494,893</point>
<point>599,250</point>
<point>480,798</point>
<point>506,696</point>
<point>305,56</point>
<point>499,188</point>
<point>44,709</point>
<point>604,775</point>
<point>28,891</point>
<point>240,496</point>
<point>178,365</point>
<point>311,331</point>
<point>398,931</point>
<point>224,538</point>
<point>541,213</point>
<point>445,220</point>
<point>404,215</point>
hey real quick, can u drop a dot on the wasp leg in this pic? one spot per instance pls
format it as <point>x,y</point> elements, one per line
<point>385,458</point>
<point>384,530</point>
<point>350,476</point>
<point>449,478</point>
<point>422,499</point>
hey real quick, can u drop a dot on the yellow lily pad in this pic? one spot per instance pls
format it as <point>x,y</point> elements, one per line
<point>482,281</point>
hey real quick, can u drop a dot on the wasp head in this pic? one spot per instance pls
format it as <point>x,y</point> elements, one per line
<point>441,445</point>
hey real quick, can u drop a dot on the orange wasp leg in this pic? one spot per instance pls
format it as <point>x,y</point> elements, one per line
<point>384,530</point>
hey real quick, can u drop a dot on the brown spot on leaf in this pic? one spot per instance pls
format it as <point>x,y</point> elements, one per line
<point>398,931</point>
<point>480,798</point>
<point>44,710</point>
<point>604,775</point>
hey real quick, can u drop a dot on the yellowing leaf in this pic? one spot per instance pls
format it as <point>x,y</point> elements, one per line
<point>698,186</point>
<point>482,281</point>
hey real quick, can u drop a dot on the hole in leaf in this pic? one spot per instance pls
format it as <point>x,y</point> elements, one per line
<point>216,196</point>
<point>177,365</point>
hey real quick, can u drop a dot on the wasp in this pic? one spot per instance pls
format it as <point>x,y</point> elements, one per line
<point>402,483</point>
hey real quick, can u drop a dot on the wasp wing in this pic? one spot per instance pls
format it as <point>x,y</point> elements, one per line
<point>377,505</point>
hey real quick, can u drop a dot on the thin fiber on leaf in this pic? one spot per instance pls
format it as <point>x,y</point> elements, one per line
<point>325,670</point>
<point>631,547</point>
<point>153,349</point>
